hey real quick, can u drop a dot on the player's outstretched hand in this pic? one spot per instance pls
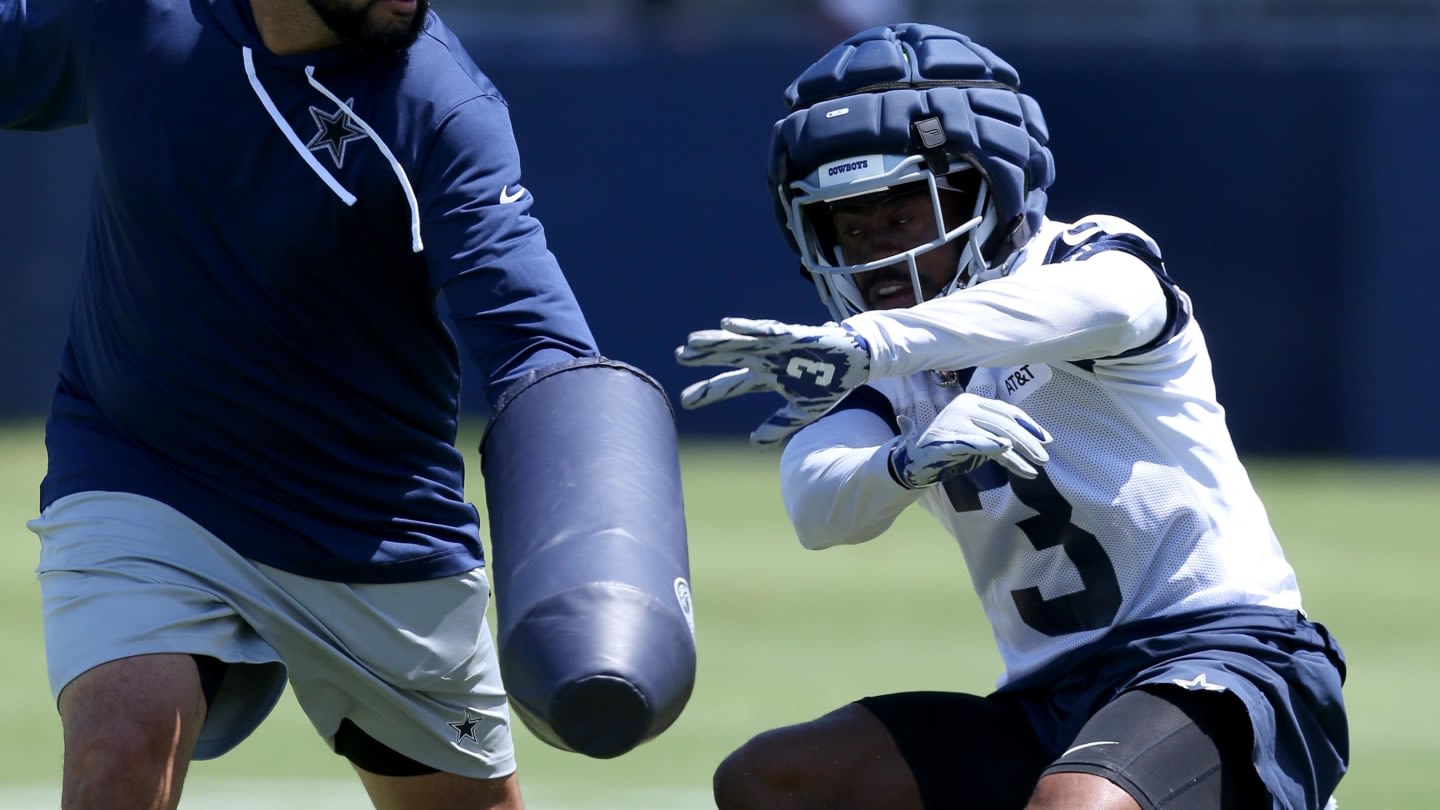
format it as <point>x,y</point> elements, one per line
<point>969,431</point>
<point>812,367</point>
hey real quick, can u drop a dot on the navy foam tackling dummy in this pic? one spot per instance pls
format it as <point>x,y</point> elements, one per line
<point>589,556</point>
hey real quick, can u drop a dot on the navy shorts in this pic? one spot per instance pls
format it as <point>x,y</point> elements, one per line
<point>1254,678</point>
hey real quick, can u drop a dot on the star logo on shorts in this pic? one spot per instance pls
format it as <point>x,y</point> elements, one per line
<point>333,131</point>
<point>1198,684</point>
<point>465,729</point>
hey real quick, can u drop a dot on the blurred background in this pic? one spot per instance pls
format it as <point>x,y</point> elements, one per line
<point>1283,153</point>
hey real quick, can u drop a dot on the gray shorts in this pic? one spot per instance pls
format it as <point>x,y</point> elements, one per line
<point>412,664</point>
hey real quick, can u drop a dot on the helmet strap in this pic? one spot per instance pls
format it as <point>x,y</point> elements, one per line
<point>931,135</point>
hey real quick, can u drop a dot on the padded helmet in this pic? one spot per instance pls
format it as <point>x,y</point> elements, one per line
<point>902,104</point>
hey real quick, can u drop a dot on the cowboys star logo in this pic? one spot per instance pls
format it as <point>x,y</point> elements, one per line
<point>1198,683</point>
<point>333,131</point>
<point>465,729</point>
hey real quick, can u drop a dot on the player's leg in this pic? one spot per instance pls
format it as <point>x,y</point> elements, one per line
<point>1158,747</point>
<point>441,790</point>
<point>844,758</point>
<point>396,782</point>
<point>402,679</point>
<point>122,635</point>
<point>905,751</point>
<point>1063,791</point>
<point>129,729</point>
<point>1244,709</point>
<point>346,648</point>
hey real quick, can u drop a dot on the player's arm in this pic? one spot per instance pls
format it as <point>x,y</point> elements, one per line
<point>1106,297</point>
<point>512,308</point>
<point>835,480</point>
<point>44,55</point>
<point>1108,304</point>
<point>845,478</point>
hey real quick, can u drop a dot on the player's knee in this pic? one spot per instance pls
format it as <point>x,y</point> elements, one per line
<point>738,782</point>
<point>763,774</point>
<point>122,757</point>
<point>1058,791</point>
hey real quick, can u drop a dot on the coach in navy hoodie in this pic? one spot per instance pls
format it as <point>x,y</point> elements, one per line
<point>252,462</point>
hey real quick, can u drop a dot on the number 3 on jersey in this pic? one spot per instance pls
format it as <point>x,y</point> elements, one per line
<point>1093,606</point>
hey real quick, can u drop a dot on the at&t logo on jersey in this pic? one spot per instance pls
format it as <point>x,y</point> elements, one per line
<point>1017,379</point>
<point>1020,382</point>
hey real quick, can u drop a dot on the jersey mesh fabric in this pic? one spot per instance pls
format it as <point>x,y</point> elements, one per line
<point>1142,465</point>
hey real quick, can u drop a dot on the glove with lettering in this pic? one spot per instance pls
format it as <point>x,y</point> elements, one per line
<point>812,367</point>
<point>966,433</point>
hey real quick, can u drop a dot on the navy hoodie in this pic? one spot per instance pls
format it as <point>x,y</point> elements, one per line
<point>258,336</point>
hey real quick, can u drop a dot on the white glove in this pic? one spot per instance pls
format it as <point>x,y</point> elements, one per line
<point>966,433</point>
<point>812,367</point>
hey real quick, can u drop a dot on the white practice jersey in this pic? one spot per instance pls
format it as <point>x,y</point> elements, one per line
<point>1144,509</point>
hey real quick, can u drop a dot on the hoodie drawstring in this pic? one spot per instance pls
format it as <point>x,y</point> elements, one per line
<point>416,245</point>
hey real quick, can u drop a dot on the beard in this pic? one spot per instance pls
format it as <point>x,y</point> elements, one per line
<point>354,27</point>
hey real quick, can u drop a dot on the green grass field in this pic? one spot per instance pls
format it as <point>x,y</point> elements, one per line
<point>785,634</point>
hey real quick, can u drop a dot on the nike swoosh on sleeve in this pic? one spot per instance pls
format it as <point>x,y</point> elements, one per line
<point>1089,745</point>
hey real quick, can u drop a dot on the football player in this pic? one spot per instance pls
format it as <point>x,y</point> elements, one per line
<point>1043,389</point>
<point>252,474</point>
